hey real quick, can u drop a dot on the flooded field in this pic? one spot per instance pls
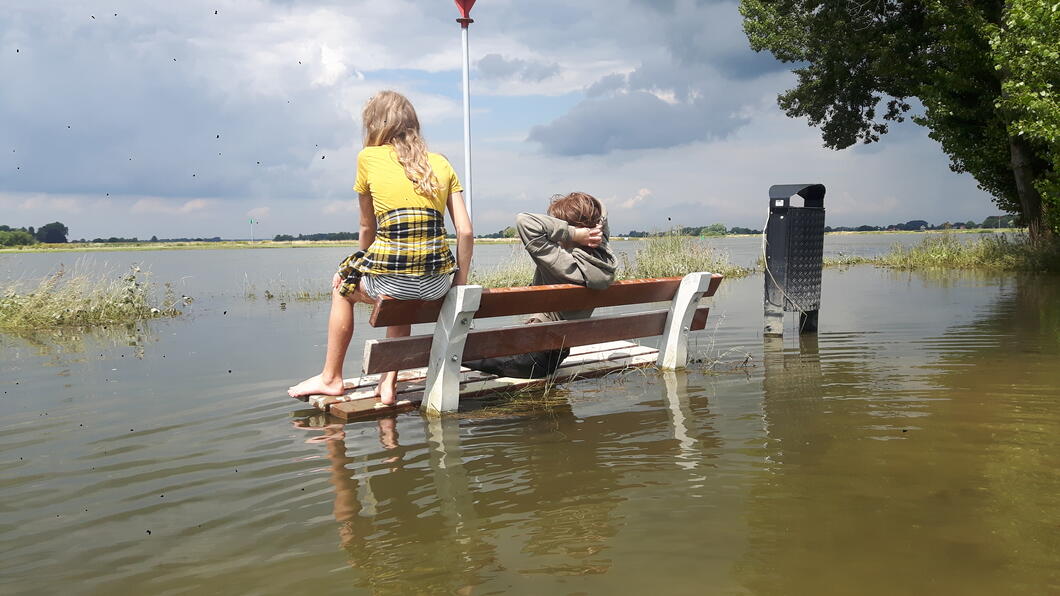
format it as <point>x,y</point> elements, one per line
<point>910,446</point>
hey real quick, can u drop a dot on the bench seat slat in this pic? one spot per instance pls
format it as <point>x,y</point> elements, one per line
<point>501,302</point>
<point>591,363</point>
<point>413,352</point>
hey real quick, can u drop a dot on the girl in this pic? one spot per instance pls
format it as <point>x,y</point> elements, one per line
<point>402,190</point>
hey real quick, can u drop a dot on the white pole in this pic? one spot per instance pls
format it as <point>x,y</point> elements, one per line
<point>467,121</point>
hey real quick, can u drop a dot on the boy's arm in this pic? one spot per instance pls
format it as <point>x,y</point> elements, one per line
<point>544,237</point>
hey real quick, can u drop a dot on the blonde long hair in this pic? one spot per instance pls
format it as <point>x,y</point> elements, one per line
<point>390,119</point>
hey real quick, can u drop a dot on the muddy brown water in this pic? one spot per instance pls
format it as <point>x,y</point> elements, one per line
<point>910,446</point>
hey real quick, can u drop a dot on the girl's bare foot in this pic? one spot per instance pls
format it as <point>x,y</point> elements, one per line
<point>316,386</point>
<point>387,389</point>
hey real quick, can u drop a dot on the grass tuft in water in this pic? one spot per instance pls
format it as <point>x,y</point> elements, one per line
<point>660,256</point>
<point>284,291</point>
<point>674,256</point>
<point>517,270</point>
<point>82,299</point>
<point>842,260</point>
<point>988,252</point>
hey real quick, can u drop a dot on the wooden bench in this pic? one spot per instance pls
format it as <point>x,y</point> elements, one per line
<point>432,374</point>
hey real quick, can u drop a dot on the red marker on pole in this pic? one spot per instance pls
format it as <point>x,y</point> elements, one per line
<point>465,20</point>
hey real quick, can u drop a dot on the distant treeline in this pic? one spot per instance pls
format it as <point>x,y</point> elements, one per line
<point>53,233</point>
<point>321,236</point>
<point>713,230</point>
<point>918,225</point>
<point>119,240</point>
<point>56,232</point>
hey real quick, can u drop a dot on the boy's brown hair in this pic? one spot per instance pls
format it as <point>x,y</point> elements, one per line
<point>578,209</point>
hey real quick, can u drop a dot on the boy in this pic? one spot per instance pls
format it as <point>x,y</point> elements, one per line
<point>568,246</point>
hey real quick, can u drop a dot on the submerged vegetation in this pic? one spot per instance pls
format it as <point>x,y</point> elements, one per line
<point>82,299</point>
<point>516,270</point>
<point>990,252</point>
<point>672,256</point>
<point>284,291</point>
<point>657,256</point>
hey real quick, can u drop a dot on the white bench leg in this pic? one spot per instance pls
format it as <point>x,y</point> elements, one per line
<point>442,393</point>
<point>673,352</point>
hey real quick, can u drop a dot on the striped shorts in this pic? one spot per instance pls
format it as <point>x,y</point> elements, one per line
<point>407,287</point>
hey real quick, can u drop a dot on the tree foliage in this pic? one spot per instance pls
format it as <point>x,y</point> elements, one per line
<point>985,71</point>
<point>1026,47</point>
<point>11,237</point>
<point>53,233</point>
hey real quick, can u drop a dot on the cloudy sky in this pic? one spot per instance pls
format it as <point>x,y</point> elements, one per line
<point>140,118</point>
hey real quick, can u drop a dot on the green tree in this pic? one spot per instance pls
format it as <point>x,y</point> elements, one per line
<point>1026,47</point>
<point>986,72</point>
<point>53,233</point>
<point>713,230</point>
<point>11,237</point>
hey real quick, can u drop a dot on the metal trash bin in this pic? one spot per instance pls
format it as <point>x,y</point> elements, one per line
<point>794,256</point>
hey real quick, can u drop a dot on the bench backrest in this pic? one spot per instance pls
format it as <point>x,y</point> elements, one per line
<point>452,341</point>
<point>500,302</point>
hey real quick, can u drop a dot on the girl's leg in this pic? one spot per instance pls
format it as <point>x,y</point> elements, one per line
<point>387,389</point>
<point>340,330</point>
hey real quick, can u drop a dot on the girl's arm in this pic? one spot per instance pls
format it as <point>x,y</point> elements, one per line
<point>366,236</point>
<point>465,236</point>
<point>368,223</point>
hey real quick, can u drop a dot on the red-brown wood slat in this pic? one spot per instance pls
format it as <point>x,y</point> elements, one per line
<point>413,352</point>
<point>500,302</point>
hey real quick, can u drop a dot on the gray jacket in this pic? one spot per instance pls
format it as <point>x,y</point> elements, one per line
<point>559,261</point>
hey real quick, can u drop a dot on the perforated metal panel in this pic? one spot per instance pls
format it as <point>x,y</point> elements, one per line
<point>794,254</point>
<point>805,255</point>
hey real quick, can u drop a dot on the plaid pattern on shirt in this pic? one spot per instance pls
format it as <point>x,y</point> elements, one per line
<point>408,241</point>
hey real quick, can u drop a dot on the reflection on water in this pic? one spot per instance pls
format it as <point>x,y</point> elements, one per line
<point>909,446</point>
<point>938,471</point>
<point>74,344</point>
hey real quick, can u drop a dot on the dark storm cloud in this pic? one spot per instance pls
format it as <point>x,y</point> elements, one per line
<point>637,120</point>
<point>695,71</point>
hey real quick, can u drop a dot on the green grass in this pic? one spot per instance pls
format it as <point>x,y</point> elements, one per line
<point>989,252</point>
<point>841,260</point>
<point>284,291</point>
<point>82,299</point>
<point>517,270</point>
<point>660,256</point>
<point>672,256</point>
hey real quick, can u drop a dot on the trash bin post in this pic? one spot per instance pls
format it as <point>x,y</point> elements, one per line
<point>794,257</point>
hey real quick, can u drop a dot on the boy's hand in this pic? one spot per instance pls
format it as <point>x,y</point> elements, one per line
<point>591,237</point>
<point>336,281</point>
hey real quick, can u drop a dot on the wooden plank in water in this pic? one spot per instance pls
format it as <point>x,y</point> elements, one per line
<point>412,352</point>
<point>587,364</point>
<point>413,380</point>
<point>500,302</point>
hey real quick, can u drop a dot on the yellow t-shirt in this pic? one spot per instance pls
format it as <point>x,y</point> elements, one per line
<point>380,174</point>
<point>410,236</point>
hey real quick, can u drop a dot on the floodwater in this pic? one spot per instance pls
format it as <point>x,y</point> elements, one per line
<point>910,447</point>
